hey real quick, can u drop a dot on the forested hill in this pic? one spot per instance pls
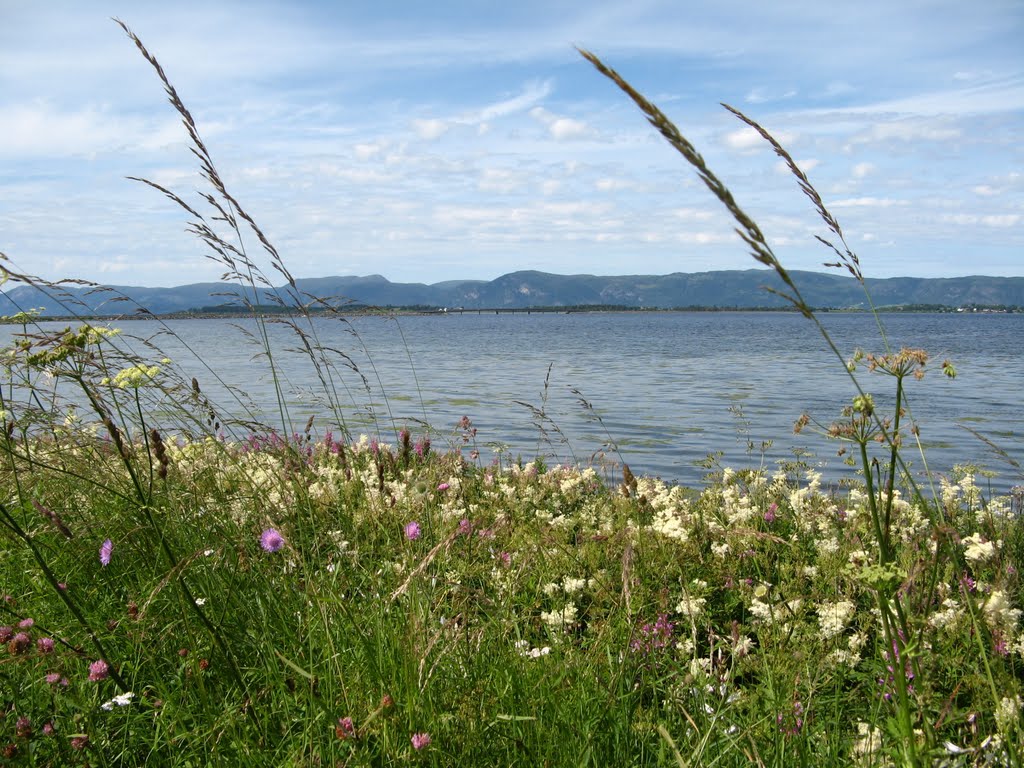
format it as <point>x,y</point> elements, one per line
<point>722,289</point>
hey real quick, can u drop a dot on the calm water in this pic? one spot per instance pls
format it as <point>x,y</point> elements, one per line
<point>669,387</point>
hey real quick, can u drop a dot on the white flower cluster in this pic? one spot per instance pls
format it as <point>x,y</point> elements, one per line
<point>531,653</point>
<point>832,617</point>
<point>978,550</point>
<point>123,700</point>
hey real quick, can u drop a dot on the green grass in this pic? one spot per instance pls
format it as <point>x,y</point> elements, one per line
<point>519,628</point>
<point>181,588</point>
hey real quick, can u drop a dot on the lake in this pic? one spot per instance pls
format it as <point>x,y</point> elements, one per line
<point>664,388</point>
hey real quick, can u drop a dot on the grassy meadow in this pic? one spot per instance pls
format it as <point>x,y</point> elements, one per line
<point>181,587</point>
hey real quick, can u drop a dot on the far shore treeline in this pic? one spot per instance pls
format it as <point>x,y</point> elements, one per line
<point>529,290</point>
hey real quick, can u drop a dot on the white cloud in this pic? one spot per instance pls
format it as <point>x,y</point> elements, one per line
<point>369,150</point>
<point>561,128</point>
<point>430,129</point>
<point>862,170</point>
<point>987,220</point>
<point>531,94</point>
<point>608,184</point>
<point>499,180</point>
<point>746,139</point>
<point>869,202</point>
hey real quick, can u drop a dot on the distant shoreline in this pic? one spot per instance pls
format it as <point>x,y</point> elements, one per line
<point>275,311</point>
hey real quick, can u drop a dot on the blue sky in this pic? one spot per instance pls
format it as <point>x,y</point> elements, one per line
<point>435,141</point>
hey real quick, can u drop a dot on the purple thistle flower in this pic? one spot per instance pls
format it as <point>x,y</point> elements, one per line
<point>271,540</point>
<point>99,670</point>
<point>106,550</point>
<point>19,643</point>
<point>443,486</point>
<point>420,740</point>
<point>412,531</point>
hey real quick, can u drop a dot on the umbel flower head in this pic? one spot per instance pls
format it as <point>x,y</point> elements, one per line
<point>271,540</point>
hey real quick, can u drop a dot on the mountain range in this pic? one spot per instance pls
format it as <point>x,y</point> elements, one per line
<point>720,289</point>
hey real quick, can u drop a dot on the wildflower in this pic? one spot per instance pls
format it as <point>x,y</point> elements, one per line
<point>106,550</point>
<point>345,729</point>
<point>465,527</point>
<point>134,377</point>
<point>271,540</point>
<point>19,643</point>
<point>23,728</point>
<point>79,742</point>
<point>48,729</point>
<point>53,678</point>
<point>443,487</point>
<point>99,670</point>
<point>977,550</point>
<point>653,637</point>
<point>45,644</point>
<point>420,740</point>
<point>769,515</point>
<point>26,623</point>
<point>832,617</point>
<point>122,700</point>
<point>6,633</point>
<point>412,532</point>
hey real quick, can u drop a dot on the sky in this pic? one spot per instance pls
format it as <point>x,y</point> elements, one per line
<point>432,141</point>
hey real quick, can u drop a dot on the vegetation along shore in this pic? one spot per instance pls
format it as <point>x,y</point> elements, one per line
<point>184,588</point>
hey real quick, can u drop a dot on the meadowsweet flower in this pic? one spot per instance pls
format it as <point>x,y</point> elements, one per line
<point>412,532</point>
<point>99,670</point>
<point>1007,713</point>
<point>420,740</point>
<point>977,550</point>
<point>832,617</point>
<point>106,550</point>
<point>271,540</point>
